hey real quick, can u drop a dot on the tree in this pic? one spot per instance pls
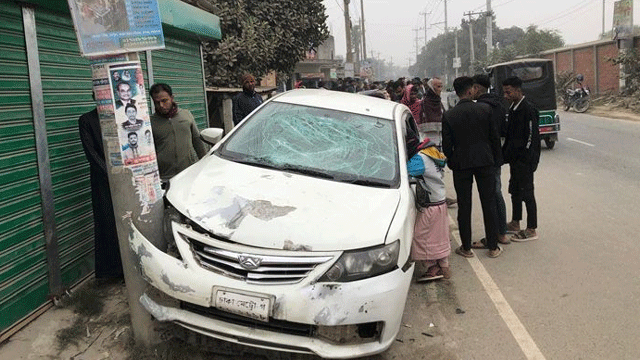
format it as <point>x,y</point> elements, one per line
<point>509,44</point>
<point>259,36</point>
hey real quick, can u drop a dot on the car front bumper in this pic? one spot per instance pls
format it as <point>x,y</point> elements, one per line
<point>332,312</point>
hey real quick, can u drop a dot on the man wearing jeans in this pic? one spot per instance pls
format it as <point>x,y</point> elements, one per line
<point>522,151</point>
<point>482,84</point>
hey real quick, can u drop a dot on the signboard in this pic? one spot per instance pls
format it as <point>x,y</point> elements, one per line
<point>623,19</point>
<point>107,27</point>
<point>333,73</point>
<point>348,70</point>
<point>457,63</point>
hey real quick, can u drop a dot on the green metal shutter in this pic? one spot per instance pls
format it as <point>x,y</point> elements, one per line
<point>23,267</point>
<point>67,88</point>
<point>180,66</point>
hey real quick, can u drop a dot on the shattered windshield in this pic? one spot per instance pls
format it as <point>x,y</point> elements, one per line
<point>318,142</point>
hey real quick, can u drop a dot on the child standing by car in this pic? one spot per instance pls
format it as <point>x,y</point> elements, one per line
<point>431,230</point>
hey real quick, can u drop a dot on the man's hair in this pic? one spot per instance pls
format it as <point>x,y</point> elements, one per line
<point>462,84</point>
<point>482,80</point>
<point>130,106</point>
<point>399,83</point>
<point>160,87</point>
<point>123,83</point>
<point>512,81</point>
<point>132,133</point>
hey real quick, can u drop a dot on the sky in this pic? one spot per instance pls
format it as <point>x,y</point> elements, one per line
<point>389,24</point>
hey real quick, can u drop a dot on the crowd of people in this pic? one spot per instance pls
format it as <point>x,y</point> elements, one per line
<point>474,139</point>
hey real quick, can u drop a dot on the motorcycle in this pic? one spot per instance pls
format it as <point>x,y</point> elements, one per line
<point>579,99</point>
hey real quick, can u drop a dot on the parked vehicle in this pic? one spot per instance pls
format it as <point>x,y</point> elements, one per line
<point>579,98</point>
<point>294,232</point>
<point>538,86</point>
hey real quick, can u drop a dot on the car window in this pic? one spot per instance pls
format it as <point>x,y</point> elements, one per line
<point>528,73</point>
<point>346,146</point>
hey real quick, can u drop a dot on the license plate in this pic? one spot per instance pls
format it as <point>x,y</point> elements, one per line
<point>250,305</point>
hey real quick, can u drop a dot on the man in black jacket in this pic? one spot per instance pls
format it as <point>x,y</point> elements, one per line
<point>482,84</point>
<point>522,151</point>
<point>246,101</point>
<point>472,146</point>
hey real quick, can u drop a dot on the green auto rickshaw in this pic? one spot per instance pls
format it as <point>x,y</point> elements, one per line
<point>538,86</point>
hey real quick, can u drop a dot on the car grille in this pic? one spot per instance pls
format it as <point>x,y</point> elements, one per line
<point>254,268</point>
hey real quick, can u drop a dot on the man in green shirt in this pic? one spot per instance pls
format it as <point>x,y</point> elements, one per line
<point>175,134</point>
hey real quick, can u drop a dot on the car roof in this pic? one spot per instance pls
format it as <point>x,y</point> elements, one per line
<point>341,101</point>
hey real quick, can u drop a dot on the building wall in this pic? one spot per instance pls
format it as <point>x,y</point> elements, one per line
<point>593,61</point>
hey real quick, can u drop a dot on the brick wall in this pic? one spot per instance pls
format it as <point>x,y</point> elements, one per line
<point>608,74</point>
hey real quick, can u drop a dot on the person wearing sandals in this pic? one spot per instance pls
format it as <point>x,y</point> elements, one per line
<point>471,143</point>
<point>522,151</point>
<point>430,244</point>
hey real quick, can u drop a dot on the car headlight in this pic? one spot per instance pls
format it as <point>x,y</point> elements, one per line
<point>361,264</point>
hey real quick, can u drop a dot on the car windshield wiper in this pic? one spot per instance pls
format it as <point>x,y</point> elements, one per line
<point>258,161</point>
<point>305,171</point>
<point>367,182</point>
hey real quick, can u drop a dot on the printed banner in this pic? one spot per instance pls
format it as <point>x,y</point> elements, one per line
<point>106,27</point>
<point>124,118</point>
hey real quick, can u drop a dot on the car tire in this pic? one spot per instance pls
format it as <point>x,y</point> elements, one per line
<point>549,143</point>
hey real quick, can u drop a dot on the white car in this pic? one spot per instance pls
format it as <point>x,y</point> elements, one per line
<point>294,232</point>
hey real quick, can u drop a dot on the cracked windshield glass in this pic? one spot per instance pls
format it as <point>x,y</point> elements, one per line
<point>318,142</point>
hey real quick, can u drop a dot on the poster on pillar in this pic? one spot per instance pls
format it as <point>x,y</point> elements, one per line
<point>106,27</point>
<point>124,117</point>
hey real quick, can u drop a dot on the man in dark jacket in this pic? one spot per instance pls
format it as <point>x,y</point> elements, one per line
<point>108,264</point>
<point>246,101</point>
<point>482,84</point>
<point>470,142</point>
<point>522,151</point>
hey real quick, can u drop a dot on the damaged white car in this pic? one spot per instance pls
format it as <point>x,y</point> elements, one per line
<point>294,232</point>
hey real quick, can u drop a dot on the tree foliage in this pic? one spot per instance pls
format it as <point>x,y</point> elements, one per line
<point>509,44</point>
<point>259,36</point>
<point>630,60</point>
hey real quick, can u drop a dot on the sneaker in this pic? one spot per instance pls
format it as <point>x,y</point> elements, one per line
<point>525,235</point>
<point>513,227</point>
<point>504,239</point>
<point>466,253</point>
<point>495,252</point>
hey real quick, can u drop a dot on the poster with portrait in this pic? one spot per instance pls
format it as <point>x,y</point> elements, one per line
<point>131,113</point>
<point>124,116</point>
<point>105,27</point>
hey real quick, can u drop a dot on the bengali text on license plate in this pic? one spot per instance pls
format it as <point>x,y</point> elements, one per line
<point>254,307</point>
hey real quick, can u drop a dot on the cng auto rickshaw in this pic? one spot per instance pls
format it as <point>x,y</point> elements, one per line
<point>539,88</point>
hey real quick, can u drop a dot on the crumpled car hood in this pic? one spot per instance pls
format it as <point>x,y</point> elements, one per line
<point>278,210</point>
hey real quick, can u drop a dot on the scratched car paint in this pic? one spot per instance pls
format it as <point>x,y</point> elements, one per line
<point>293,233</point>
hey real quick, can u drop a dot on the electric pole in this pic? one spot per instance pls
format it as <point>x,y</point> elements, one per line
<point>347,30</point>
<point>364,39</point>
<point>416,30</point>
<point>603,18</point>
<point>455,39</point>
<point>489,28</point>
<point>425,26</point>
<point>472,52</point>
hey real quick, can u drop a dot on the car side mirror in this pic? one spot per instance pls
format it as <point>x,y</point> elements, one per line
<point>211,135</point>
